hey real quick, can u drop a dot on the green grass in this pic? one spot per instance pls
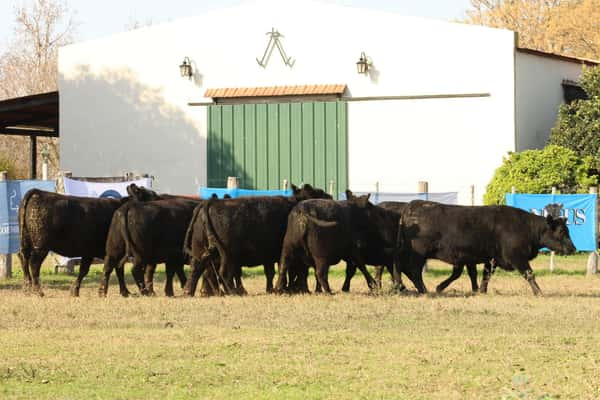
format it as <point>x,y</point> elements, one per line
<point>507,344</point>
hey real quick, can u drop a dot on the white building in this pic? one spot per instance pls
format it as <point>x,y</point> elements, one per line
<point>441,102</point>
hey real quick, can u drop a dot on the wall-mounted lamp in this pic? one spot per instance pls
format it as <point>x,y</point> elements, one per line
<point>363,63</point>
<point>185,68</point>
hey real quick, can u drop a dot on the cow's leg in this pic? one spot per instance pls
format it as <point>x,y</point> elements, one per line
<point>196,271</point>
<point>149,278</point>
<point>457,270</point>
<point>24,259</point>
<point>301,278</point>
<point>371,283</point>
<point>396,280</point>
<point>180,272</point>
<point>227,271</point>
<point>282,269</point>
<point>322,272</point>
<point>488,271</point>
<point>472,270</point>
<point>84,268</point>
<point>527,273</point>
<point>239,285</point>
<point>415,271</point>
<point>120,271</point>
<point>37,258</point>
<point>137,271</point>
<point>378,275</point>
<point>350,271</point>
<point>170,273</point>
<point>210,283</point>
<point>269,274</point>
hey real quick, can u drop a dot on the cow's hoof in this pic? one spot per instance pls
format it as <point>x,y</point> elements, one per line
<point>439,289</point>
<point>75,292</point>
<point>125,294</point>
<point>38,292</point>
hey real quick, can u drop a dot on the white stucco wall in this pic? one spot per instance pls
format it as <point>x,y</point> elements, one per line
<point>123,105</point>
<point>539,94</point>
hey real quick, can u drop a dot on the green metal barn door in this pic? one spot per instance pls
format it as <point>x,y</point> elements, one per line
<point>263,144</point>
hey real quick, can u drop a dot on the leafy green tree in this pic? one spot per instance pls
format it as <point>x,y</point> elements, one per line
<point>578,124</point>
<point>537,171</point>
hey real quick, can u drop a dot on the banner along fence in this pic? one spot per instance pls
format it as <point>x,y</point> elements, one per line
<point>579,210</point>
<point>11,193</point>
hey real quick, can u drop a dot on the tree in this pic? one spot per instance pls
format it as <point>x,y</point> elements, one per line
<point>537,171</point>
<point>578,123</point>
<point>568,27</point>
<point>41,27</point>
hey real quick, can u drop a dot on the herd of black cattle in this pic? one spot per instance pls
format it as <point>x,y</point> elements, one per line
<point>216,237</point>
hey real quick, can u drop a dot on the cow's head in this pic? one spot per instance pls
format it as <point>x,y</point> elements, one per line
<point>556,236</point>
<point>308,192</point>
<point>141,193</point>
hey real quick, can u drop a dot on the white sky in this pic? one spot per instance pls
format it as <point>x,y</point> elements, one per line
<point>99,18</point>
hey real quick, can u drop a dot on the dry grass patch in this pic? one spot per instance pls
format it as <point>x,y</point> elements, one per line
<point>507,344</point>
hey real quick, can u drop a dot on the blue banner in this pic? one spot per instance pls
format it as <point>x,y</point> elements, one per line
<point>578,209</point>
<point>11,193</point>
<point>206,193</point>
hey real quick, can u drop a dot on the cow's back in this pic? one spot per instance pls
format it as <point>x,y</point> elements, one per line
<point>251,229</point>
<point>68,225</point>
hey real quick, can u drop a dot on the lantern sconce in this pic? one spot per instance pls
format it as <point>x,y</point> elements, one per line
<point>185,68</point>
<point>363,64</point>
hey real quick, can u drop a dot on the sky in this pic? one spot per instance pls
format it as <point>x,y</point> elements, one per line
<point>105,17</point>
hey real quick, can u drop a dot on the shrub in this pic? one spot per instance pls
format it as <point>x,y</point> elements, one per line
<point>578,123</point>
<point>537,171</point>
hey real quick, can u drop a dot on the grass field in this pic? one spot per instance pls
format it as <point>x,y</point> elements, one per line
<point>507,344</point>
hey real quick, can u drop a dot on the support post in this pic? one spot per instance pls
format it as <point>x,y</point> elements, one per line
<point>552,254</point>
<point>5,259</point>
<point>285,184</point>
<point>592,262</point>
<point>232,182</point>
<point>331,187</point>
<point>472,190</point>
<point>33,156</point>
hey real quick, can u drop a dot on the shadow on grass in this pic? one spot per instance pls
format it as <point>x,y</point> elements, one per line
<point>63,281</point>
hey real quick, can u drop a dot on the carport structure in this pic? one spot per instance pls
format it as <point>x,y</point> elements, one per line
<point>35,115</point>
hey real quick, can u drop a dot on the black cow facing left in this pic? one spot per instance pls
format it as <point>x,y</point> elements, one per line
<point>461,235</point>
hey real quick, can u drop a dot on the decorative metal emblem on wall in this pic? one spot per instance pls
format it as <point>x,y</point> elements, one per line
<point>274,41</point>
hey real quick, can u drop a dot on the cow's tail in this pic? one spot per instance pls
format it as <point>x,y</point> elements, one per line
<point>189,233</point>
<point>129,245</point>
<point>214,243</point>
<point>25,248</point>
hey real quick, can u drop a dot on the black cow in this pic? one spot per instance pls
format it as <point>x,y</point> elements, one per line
<point>321,233</point>
<point>150,233</point>
<point>375,255</point>
<point>462,235</point>
<point>241,232</point>
<point>68,225</point>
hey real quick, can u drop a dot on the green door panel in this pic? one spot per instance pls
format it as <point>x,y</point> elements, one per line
<point>263,144</point>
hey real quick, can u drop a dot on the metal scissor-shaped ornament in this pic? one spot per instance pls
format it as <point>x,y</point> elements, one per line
<point>275,42</point>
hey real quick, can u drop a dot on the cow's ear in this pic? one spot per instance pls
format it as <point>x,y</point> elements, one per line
<point>363,201</point>
<point>132,190</point>
<point>295,189</point>
<point>308,187</point>
<point>349,194</point>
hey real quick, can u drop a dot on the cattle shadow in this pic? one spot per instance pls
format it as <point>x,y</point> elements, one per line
<point>112,122</point>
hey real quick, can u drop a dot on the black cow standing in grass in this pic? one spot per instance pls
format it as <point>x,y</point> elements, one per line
<point>228,234</point>
<point>461,235</point>
<point>68,225</point>
<point>151,233</point>
<point>321,233</point>
<point>375,255</point>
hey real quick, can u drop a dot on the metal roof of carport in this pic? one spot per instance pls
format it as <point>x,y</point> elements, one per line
<point>33,116</point>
